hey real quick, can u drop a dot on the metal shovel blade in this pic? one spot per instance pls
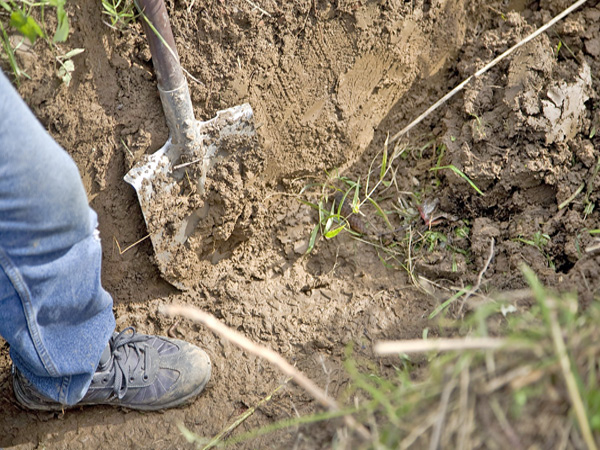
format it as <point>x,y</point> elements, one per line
<point>162,179</point>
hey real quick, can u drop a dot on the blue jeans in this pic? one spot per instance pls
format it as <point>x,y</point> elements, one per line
<point>54,312</point>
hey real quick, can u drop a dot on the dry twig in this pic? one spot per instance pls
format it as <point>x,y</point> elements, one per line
<point>420,345</point>
<point>487,67</point>
<point>263,12</point>
<point>479,277</point>
<point>273,357</point>
<point>241,419</point>
<point>436,435</point>
<point>130,246</point>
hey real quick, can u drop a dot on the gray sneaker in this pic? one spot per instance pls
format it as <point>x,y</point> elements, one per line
<point>135,371</point>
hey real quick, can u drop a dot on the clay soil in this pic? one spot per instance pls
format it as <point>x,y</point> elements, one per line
<point>327,81</point>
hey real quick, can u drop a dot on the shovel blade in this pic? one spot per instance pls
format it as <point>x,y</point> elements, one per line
<point>158,179</point>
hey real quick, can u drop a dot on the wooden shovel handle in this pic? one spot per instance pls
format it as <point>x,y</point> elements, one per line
<point>166,61</point>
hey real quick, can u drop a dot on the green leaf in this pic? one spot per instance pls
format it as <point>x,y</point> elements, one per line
<point>328,224</point>
<point>69,66</point>
<point>307,203</point>
<point>384,158</point>
<point>72,53</point>
<point>64,75</point>
<point>333,233</point>
<point>458,172</point>
<point>381,213</point>
<point>355,199</point>
<point>62,29</point>
<point>5,6</point>
<point>26,25</point>
<point>11,55</point>
<point>313,238</point>
<point>447,303</point>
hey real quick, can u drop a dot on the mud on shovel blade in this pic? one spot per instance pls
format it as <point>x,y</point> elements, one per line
<point>193,147</point>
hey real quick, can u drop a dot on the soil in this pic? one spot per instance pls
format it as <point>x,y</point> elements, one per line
<point>328,82</point>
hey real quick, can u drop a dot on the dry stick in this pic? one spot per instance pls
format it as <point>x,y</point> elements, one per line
<point>420,345</point>
<point>130,246</point>
<point>418,432</point>
<point>441,416</point>
<point>241,419</point>
<point>505,425</point>
<point>479,277</point>
<point>273,357</point>
<point>465,429</point>
<point>480,72</point>
<point>264,13</point>
<point>572,389</point>
<point>181,166</point>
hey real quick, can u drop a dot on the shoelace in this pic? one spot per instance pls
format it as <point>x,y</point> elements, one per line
<point>121,346</point>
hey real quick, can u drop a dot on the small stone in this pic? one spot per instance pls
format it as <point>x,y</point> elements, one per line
<point>301,246</point>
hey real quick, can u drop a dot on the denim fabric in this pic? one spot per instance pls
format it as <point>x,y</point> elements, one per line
<point>54,312</point>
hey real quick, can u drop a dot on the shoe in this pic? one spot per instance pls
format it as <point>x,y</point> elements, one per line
<point>136,371</point>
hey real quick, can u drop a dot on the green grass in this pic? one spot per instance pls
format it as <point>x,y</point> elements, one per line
<point>29,19</point>
<point>10,53</point>
<point>544,375</point>
<point>540,241</point>
<point>404,227</point>
<point>460,174</point>
<point>120,13</point>
<point>21,18</point>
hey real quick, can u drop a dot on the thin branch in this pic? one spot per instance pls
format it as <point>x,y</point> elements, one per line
<point>479,277</point>
<point>273,357</point>
<point>420,345</point>
<point>505,425</point>
<point>130,246</point>
<point>480,72</point>
<point>241,419</point>
<point>263,12</point>
<point>436,435</point>
<point>181,166</point>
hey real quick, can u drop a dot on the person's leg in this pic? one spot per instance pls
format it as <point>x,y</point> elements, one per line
<point>54,312</point>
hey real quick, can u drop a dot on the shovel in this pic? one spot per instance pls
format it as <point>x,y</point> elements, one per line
<point>193,147</point>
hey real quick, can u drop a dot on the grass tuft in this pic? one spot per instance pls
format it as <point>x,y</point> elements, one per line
<point>534,383</point>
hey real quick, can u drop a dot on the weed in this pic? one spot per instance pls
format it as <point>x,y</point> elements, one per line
<point>403,227</point>
<point>478,126</point>
<point>120,13</point>
<point>540,241</point>
<point>589,205</point>
<point>65,71</point>
<point>10,52</point>
<point>342,200</point>
<point>545,366</point>
<point>558,47</point>
<point>461,174</point>
<point>21,18</point>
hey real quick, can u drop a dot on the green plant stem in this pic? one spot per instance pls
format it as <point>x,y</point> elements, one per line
<point>461,174</point>
<point>549,314</point>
